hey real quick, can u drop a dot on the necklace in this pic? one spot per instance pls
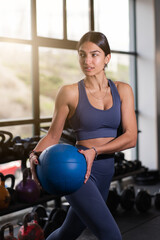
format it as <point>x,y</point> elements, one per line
<point>95,96</point>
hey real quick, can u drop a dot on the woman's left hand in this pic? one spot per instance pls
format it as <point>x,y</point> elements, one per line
<point>89,156</point>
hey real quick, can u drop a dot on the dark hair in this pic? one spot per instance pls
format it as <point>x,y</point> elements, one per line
<point>98,38</point>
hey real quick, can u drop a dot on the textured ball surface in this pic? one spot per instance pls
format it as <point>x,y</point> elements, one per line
<point>61,169</point>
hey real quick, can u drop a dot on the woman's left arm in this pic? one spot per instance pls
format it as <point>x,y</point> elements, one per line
<point>129,124</point>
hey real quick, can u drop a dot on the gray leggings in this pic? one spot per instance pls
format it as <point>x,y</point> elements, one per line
<point>88,205</point>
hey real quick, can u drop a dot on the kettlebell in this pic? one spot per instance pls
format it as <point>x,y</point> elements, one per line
<point>30,229</point>
<point>27,190</point>
<point>10,236</point>
<point>2,140</point>
<point>11,190</point>
<point>4,194</point>
<point>7,143</point>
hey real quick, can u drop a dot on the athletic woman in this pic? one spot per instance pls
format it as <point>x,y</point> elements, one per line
<point>95,107</point>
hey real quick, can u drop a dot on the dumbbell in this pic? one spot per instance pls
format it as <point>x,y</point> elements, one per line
<point>137,164</point>
<point>123,166</point>
<point>21,147</point>
<point>128,199</point>
<point>142,201</point>
<point>133,165</point>
<point>157,201</point>
<point>113,200</point>
<point>30,143</point>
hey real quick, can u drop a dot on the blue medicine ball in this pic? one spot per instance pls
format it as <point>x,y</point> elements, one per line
<point>61,169</point>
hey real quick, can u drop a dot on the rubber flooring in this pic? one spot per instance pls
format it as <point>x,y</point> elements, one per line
<point>134,226</point>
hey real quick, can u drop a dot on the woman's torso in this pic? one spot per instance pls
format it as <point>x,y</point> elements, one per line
<point>88,107</point>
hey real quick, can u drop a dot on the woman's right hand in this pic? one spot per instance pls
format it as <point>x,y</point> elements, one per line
<point>33,159</point>
<point>89,155</point>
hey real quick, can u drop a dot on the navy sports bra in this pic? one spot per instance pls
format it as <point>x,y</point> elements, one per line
<point>89,122</point>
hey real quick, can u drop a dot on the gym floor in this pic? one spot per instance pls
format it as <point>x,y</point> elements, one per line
<point>133,225</point>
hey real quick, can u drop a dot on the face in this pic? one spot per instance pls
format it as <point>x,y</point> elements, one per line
<point>92,59</point>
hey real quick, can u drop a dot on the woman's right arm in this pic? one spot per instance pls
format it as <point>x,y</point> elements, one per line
<point>54,133</point>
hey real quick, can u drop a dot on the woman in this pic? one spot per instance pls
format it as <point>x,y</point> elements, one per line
<point>94,106</point>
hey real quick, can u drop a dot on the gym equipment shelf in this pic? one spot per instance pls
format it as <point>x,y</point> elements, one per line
<point>129,174</point>
<point>20,206</point>
<point>45,198</point>
<point>119,178</point>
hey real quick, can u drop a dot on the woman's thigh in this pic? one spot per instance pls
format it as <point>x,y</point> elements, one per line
<point>90,207</point>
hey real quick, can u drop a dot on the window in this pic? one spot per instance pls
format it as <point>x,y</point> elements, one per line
<point>15,84</point>
<point>112,18</point>
<point>24,131</point>
<point>121,68</point>
<point>57,67</point>
<point>34,66</point>
<point>77,18</point>
<point>15,19</point>
<point>50,18</point>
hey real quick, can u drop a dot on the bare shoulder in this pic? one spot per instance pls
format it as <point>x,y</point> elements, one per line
<point>122,86</point>
<point>68,92</point>
<point>124,89</point>
<point>69,88</point>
